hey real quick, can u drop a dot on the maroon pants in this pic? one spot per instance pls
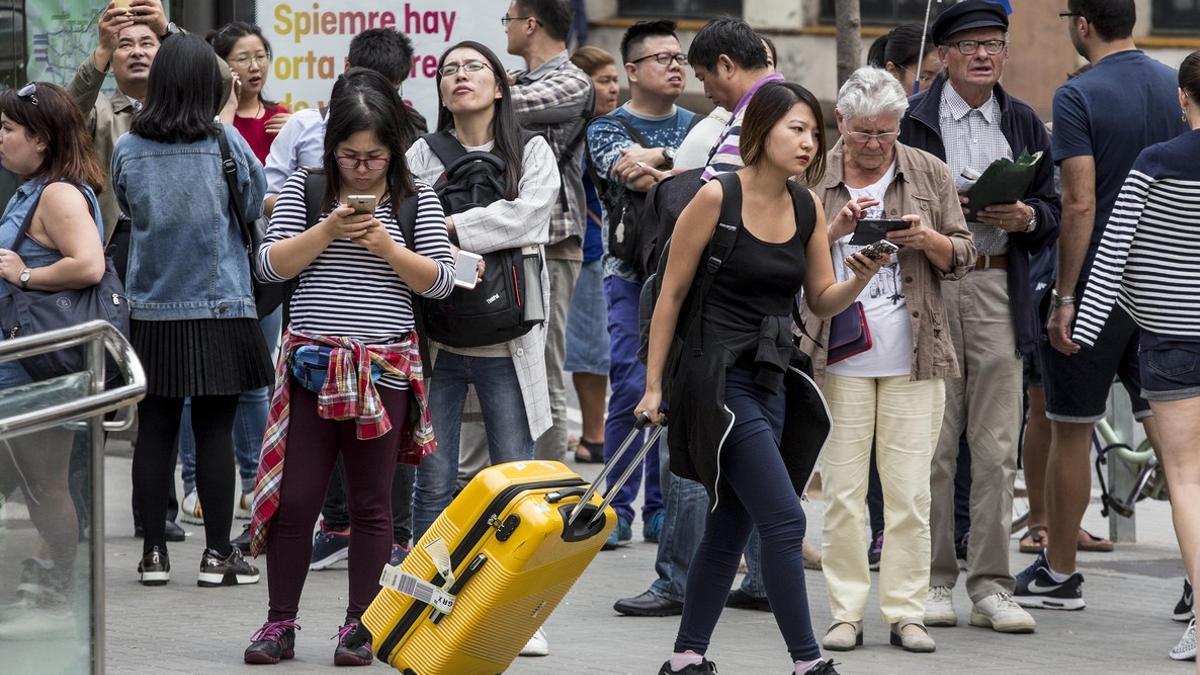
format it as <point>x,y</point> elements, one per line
<point>312,448</point>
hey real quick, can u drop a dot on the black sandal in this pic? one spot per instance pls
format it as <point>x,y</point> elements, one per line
<point>589,453</point>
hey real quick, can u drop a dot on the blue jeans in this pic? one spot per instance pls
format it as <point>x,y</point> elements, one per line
<point>627,377</point>
<point>504,421</point>
<point>686,503</point>
<point>249,423</point>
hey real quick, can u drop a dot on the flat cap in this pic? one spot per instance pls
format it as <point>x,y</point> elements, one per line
<point>968,15</point>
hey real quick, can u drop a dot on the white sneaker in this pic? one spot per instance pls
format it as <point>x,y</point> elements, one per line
<point>243,511</point>
<point>1002,614</point>
<point>1186,649</point>
<point>939,607</point>
<point>537,645</point>
<point>190,511</point>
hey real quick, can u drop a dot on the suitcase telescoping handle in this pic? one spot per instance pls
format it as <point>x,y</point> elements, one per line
<point>639,428</point>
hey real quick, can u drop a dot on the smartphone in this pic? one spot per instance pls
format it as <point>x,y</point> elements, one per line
<point>869,231</point>
<point>362,203</point>
<point>122,4</point>
<point>877,250</point>
<point>466,269</point>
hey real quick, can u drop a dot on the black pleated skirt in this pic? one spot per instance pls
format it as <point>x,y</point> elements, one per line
<point>202,357</point>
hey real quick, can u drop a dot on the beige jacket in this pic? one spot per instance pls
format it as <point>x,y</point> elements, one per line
<point>923,186</point>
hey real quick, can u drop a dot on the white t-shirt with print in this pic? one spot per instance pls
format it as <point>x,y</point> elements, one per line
<point>883,302</point>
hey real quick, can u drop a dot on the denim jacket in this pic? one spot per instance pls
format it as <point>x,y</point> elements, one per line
<point>187,256</point>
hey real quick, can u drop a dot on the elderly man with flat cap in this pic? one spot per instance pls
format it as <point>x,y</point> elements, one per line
<point>967,119</point>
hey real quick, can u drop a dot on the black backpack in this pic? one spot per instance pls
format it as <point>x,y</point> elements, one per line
<point>633,219</point>
<point>729,224</point>
<point>493,312</point>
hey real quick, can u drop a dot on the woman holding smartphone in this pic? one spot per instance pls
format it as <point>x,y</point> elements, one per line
<point>510,376</point>
<point>351,312</point>
<point>731,392</point>
<point>243,46</point>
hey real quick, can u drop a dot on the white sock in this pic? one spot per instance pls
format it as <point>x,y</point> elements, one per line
<point>803,667</point>
<point>1057,577</point>
<point>688,658</point>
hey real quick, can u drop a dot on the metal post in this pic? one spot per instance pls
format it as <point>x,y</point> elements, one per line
<point>96,366</point>
<point>1121,476</point>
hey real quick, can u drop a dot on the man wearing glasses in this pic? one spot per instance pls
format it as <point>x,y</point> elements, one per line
<point>552,96</point>
<point>967,119</point>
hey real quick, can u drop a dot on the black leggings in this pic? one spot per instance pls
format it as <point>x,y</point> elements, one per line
<point>754,491</point>
<point>154,461</point>
<point>337,516</point>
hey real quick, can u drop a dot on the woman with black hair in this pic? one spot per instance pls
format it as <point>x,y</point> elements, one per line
<point>510,376</point>
<point>738,380</point>
<point>349,369</point>
<point>248,53</point>
<point>194,322</point>
<point>897,52</point>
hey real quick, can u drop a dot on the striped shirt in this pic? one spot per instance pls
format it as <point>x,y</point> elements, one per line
<point>727,153</point>
<point>973,140</point>
<point>1149,255</point>
<point>347,291</point>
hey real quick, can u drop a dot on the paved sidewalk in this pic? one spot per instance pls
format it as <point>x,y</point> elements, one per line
<point>181,628</point>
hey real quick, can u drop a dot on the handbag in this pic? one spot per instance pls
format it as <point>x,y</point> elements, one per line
<point>849,334</point>
<point>25,312</point>
<point>310,366</point>
<point>267,295</point>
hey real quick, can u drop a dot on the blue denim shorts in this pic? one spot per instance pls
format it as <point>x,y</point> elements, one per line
<point>1170,371</point>
<point>587,323</point>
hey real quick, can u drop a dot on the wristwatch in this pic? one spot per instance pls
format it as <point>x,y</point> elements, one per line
<point>669,155</point>
<point>172,29</point>
<point>1032,223</point>
<point>23,277</point>
<point>1057,300</point>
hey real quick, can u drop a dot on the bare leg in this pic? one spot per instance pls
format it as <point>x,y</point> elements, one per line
<point>1177,426</point>
<point>591,389</point>
<point>1035,451</point>
<point>41,463</point>
<point>1068,489</point>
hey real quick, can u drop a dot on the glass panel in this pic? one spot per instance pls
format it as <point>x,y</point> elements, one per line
<point>47,604</point>
<point>884,12</point>
<point>1176,16</point>
<point>680,9</point>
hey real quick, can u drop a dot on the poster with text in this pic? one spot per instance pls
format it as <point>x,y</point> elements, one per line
<point>309,42</point>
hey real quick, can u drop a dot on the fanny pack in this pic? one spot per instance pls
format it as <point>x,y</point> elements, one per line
<point>310,367</point>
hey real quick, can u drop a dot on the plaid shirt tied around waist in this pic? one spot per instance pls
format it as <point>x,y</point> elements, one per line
<point>348,394</point>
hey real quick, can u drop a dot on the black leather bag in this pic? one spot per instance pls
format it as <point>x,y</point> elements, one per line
<point>267,295</point>
<point>26,312</point>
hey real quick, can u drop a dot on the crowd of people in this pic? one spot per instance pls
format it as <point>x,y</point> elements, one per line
<point>911,363</point>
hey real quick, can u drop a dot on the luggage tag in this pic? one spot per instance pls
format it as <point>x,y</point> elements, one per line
<point>406,584</point>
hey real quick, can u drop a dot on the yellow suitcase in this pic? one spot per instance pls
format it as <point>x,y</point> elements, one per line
<point>518,536</point>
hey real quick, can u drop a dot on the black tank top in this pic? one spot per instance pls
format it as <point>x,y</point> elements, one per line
<point>758,278</point>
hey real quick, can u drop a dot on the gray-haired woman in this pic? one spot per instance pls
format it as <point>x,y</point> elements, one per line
<point>891,393</point>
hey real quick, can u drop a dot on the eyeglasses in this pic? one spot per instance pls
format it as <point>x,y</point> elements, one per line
<point>862,137</point>
<point>971,47</point>
<point>28,93</point>
<point>244,60</point>
<point>504,20</point>
<point>664,58</point>
<point>1067,15</point>
<point>372,163</point>
<point>451,69</point>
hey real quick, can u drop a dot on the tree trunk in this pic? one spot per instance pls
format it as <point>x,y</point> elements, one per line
<point>849,39</point>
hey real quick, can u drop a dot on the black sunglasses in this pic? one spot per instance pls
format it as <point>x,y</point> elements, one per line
<point>28,93</point>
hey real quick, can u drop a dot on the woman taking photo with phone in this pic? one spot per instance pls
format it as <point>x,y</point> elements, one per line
<point>192,306</point>
<point>43,140</point>
<point>510,377</point>
<point>734,388</point>
<point>351,312</point>
<point>890,390</point>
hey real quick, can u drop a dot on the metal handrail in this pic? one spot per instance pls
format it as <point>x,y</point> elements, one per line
<point>99,336</point>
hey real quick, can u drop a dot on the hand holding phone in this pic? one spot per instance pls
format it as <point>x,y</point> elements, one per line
<point>467,270</point>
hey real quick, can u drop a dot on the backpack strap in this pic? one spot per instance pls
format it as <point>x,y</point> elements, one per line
<point>229,169</point>
<point>634,135</point>
<point>407,220</point>
<point>729,223</point>
<point>806,221</point>
<point>314,194</point>
<point>445,147</point>
<point>23,233</point>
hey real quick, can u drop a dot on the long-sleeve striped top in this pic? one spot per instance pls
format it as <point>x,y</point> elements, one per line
<point>1148,260</point>
<point>349,291</point>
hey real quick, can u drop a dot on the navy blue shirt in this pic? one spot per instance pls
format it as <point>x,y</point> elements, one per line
<point>1123,104</point>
